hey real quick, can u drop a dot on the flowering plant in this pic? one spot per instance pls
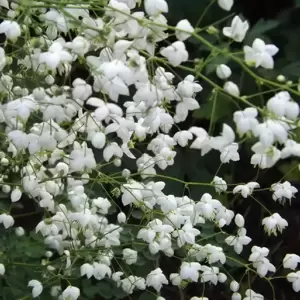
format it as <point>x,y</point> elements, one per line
<point>94,99</point>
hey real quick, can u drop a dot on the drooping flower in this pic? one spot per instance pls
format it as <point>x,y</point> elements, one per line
<point>238,29</point>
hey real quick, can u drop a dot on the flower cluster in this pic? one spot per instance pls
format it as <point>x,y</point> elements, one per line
<point>65,142</point>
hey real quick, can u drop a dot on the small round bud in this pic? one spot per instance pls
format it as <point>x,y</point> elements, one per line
<point>223,71</point>
<point>85,178</point>
<point>234,286</point>
<point>239,220</point>
<point>19,231</point>
<point>15,195</point>
<point>126,173</point>
<point>48,254</point>
<point>222,277</point>
<point>290,82</point>
<point>212,30</point>
<point>281,78</point>
<point>6,189</point>
<point>117,162</point>
<point>236,296</point>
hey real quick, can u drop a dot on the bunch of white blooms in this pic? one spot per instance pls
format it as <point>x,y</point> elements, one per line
<point>62,137</point>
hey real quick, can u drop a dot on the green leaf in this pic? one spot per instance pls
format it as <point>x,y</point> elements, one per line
<point>105,289</point>
<point>290,170</point>
<point>292,69</point>
<point>147,296</point>
<point>119,293</point>
<point>261,27</point>
<point>223,107</point>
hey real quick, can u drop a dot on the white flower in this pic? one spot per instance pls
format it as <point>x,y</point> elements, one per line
<point>264,157</point>
<point>15,195</point>
<point>81,90</point>
<point>238,29</point>
<point>79,45</point>
<point>246,189</point>
<point>6,220</point>
<point>155,7</point>
<point>71,293</point>
<point>245,120</point>
<point>175,279</point>
<point>251,295</point>
<point>282,105</point>
<point>156,279</point>
<point>55,55</point>
<point>291,261</point>
<point>260,54</point>
<point>294,277</point>
<point>258,253</point>
<point>186,234</point>
<point>183,137</point>
<point>283,191</point>
<point>190,271</point>
<point>187,88</point>
<point>232,89</point>
<point>2,59</point>
<point>238,241</point>
<point>184,25</point>
<point>273,223</point>
<point>4,3</point>
<point>130,256</point>
<point>37,287</point>
<point>220,184</point>
<point>87,269</point>
<point>225,4</point>
<point>101,270</point>
<point>11,29</point>
<point>229,153</point>
<point>2,269</point>
<point>121,217</point>
<point>202,141</point>
<point>223,71</point>
<point>175,53</point>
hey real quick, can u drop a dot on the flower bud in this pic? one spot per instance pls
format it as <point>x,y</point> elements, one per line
<point>232,89</point>
<point>223,71</point>
<point>234,286</point>
<point>121,217</point>
<point>126,173</point>
<point>222,277</point>
<point>2,269</point>
<point>239,220</point>
<point>225,4</point>
<point>281,78</point>
<point>117,162</point>
<point>236,296</point>
<point>19,231</point>
<point>48,254</point>
<point>6,189</point>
